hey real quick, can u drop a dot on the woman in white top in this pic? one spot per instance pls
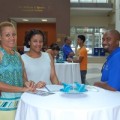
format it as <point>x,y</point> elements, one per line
<point>39,65</point>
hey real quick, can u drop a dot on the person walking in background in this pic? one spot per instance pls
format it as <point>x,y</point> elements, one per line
<point>39,65</point>
<point>110,78</point>
<point>53,50</point>
<point>12,73</point>
<point>66,48</point>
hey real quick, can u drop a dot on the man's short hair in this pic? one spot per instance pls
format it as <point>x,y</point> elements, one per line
<point>66,38</point>
<point>82,37</point>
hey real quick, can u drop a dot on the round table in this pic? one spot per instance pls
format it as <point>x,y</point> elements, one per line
<point>96,104</point>
<point>68,72</point>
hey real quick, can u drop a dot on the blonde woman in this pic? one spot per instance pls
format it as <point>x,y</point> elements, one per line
<point>12,73</point>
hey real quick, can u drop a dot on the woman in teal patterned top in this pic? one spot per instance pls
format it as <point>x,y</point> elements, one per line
<point>13,80</point>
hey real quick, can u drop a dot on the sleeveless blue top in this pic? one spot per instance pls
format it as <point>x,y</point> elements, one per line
<point>10,73</point>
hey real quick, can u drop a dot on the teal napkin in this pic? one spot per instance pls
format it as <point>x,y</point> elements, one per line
<point>76,87</point>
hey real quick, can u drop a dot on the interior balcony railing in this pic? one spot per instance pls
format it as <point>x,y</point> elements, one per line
<point>91,5</point>
<point>90,1</point>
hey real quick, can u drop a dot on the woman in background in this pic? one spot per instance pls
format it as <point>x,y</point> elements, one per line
<point>39,65</point>
<point>13,80</point>
<point>53,50</point>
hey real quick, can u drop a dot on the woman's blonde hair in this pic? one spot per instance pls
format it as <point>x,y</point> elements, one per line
<point>5,24</point>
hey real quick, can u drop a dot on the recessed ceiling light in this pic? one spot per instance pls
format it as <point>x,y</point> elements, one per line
<point>44,20</point>
<point>25,20</point>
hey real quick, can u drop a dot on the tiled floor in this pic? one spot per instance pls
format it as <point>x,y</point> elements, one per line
<point>93,73</point>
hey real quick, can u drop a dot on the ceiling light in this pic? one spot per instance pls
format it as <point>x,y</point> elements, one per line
<point>44,20</point>
<point>25,20</point>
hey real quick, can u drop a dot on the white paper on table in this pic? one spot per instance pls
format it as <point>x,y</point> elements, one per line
<point>52,88</point>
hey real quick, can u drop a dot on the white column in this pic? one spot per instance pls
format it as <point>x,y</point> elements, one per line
<point>117,15</point>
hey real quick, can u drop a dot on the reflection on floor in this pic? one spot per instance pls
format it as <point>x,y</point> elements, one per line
<point>93,73</point>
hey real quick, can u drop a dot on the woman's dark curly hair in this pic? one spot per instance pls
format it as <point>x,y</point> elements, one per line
<point>55,46</point>
<point>30,34</point>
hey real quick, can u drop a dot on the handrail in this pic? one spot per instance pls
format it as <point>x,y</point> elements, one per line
<point>90,1</point>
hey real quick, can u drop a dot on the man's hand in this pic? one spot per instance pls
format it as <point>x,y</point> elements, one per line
<point>69,59</point>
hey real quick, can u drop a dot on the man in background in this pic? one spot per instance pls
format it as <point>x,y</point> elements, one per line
<point>67,50</point>
<point>82,57</point>
<point>110,78</point>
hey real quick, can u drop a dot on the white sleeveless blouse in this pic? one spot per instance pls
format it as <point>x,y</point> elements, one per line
<point>38,69</point>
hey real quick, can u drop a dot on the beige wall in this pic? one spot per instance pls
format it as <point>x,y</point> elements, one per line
<point>94,21</point>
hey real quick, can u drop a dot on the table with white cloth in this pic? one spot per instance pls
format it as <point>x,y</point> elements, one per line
<point>68,72</point>
<point>94,104</point>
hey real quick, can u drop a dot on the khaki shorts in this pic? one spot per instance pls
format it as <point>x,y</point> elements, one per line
<point>7,115</point>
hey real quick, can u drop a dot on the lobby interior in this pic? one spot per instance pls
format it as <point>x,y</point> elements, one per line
<point>60,18</point>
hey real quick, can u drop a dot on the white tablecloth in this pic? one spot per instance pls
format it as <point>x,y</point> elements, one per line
<point>97,104</point>
<point>68,72</point>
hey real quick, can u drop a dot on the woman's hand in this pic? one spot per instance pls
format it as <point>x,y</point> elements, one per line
<point>40,84</point>
<point>30,89</point>
<point>30,84</point>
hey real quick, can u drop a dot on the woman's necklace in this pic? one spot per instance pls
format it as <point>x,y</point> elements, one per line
<point>11,52</point>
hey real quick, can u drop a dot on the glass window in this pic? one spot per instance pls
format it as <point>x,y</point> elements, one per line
<point>102,1</point>
<point>72,30</point>
<point>97,42</point>
<point>89,42</point>
<point>90,1</point>
<point>93,37</point>
<point>86,1</point>
<point>79,30</point>
<point>97,30</point>
<point>74,0</point>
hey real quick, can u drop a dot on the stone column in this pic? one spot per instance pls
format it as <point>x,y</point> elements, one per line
<point>117,15</point>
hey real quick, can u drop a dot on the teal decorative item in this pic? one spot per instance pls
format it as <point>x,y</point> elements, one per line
<point>60,58</point>
<point>73,88</point>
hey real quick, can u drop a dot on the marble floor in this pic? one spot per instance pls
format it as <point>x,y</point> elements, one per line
<point>93,73</point>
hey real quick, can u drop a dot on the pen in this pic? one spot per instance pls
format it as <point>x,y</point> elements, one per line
<point>47,89</point>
